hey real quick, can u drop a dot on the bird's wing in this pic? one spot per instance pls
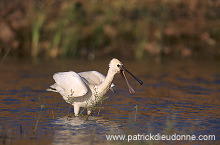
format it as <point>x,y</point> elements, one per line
<point>95,78</point>
<point>71,83</point>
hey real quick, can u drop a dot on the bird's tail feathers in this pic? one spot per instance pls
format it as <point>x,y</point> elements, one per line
<point>51,89</point>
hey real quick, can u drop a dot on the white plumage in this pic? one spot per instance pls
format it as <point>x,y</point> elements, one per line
<point>69,84</point>
<point>84,89</point>
<point>95,78</point>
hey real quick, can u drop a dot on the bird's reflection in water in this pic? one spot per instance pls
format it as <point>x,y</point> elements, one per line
<point>83,130</point>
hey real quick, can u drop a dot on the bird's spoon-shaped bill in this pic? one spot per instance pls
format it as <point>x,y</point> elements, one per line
<point>140,81</point>
<point>131,90</point>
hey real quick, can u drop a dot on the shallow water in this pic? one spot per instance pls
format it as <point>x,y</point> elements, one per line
<point>181,97</point>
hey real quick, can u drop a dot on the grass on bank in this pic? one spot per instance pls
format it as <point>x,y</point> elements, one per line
<point>134,29</point>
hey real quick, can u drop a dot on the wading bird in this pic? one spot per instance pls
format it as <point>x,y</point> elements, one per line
<point>85,89</point>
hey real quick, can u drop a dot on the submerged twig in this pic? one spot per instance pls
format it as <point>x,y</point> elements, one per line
<point>36,125</point>
<point>5,55</point>
<point>53,114</point>
<point>135,115</point>
<point>59,107</point>
<point>21,129</point>
<point>98,113</point>
<point>68,115</point>
<point>37,119</point>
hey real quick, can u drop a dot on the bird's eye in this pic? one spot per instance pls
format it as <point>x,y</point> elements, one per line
<point>118,65</point>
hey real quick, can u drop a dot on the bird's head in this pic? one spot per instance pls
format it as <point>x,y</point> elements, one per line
<point>117,67</point>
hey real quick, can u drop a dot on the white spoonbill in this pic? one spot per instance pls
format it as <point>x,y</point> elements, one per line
<point>85,89</point>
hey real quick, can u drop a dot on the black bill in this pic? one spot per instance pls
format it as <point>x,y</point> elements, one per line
<point>131,90</point>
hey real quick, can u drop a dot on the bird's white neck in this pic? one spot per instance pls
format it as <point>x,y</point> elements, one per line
<point>105,85</point>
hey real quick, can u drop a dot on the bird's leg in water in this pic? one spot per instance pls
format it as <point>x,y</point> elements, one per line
<point>76,110</point>
<point>89,111</point>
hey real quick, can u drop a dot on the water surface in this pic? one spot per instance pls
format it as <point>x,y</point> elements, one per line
<point>177,97</point>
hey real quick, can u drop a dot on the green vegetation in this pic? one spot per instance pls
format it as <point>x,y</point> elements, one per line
<point>127,28</point>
